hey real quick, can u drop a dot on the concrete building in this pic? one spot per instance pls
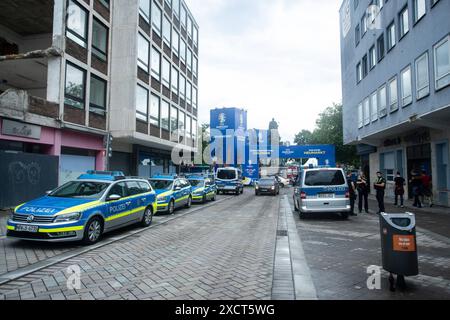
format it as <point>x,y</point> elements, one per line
<point>154,84</point>
<point>396,87</point>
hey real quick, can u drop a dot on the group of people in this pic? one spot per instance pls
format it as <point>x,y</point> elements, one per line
<point>420,183</point>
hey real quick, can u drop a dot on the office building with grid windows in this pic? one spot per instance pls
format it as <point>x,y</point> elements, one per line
<point>395,59</point>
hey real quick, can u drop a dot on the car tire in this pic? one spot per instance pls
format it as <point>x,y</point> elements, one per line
<point>214,198</point>
<point>242,190</point>
<point>171,208</point>
<point>93,231</point>
<point>189,202</point>
<point>237,192</point>
<point>302,215</point>
<point>344,215</point>
<point>204,199</point>
<point>256,193</point>
<point>147,219</point>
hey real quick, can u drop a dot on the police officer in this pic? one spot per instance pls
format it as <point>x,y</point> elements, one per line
<point>380,187</point>
<point>352,191</point>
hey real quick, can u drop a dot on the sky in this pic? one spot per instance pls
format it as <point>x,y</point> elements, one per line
<point>275,58</point>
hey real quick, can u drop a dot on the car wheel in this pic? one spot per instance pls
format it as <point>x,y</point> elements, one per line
<point>256,193</point>
<point>344,215</point>
<point>214,198</point>
<point>242,190</point>
<point>147,219</point>
<point>302,215</point>
<point>171,207</point>
<point>204,199</point>
<point>93,231</point>
<point>237,192</point>
<point>189,202</point>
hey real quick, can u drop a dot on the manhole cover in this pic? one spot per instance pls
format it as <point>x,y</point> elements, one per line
<point>282,233</point>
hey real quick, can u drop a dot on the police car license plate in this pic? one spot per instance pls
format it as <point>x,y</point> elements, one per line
<point>26,228</point>
<point>326,195</point>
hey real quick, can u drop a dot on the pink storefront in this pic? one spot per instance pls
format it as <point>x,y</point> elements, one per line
<point>77,151</point>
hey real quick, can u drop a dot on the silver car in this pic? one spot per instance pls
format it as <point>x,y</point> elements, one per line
<point>322,190</point>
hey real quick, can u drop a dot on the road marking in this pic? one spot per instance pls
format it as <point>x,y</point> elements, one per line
<point>303,283</point>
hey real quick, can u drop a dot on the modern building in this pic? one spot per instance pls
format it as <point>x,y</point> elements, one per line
<point>154,85</point>
<point>396,87</point>
<point>73,72</point>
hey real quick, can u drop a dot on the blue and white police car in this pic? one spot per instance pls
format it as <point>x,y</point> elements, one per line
<point>203,188</point>
<point>229,180</point>
<point>85,209</point>
<point>172,192</point>
<point>322,189</point>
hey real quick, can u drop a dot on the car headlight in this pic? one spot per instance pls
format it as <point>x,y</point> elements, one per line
<point>162,199</point>
<point>273,188</point>
<point>68,217</point>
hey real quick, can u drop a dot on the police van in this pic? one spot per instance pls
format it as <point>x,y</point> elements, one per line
<point>203,188</point>
<point>85,209</point>
<point>172,192</point>
<point>229,180</point>
<point>322,189</point>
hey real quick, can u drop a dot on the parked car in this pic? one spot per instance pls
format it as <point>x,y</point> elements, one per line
<point>267,186</point>
<point>282,181</point>
<point>85,209</point>
<point>203,189</point>
<point>229,180</point>
<point>172,192</point>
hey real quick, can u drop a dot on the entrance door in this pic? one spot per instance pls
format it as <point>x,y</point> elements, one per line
<point>419,158</point>
<point>442,172</point>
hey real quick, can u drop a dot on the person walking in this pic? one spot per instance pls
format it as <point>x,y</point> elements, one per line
<point>363,193</point>
<point>352,192</point>
<point>416,186</point>
<point>427,192</point>
<point>380,187</point>
<point>399,190</point>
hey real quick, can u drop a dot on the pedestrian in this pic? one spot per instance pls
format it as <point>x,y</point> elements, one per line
<point>363,193</point>
<point>380,187</point>
<point>427,191</point>
<point>416,186</point>
<point>352,193</point>
<point>399,190</point>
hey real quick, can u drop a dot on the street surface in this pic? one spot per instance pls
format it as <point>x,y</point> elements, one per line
<point>239,248</point>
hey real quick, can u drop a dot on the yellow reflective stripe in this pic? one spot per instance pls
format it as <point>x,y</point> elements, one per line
<point>164,194</point>
<point>210,193</point>
<point>163,205</point>
<point>181,199</point>
<point>80,208</point>
<point>18,207</point>
<point>11,228</point>
<point>124,214</point>
<point>199,190</point>
<point>196,198</point>
<point>61,229</point>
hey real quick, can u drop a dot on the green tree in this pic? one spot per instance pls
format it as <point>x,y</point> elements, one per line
<point>304,137</point>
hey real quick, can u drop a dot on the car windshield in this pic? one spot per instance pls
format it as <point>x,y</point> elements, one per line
<point>227,174</point>
<point>197,183</point>
<point>80,189</point>
<point>324,178</point>
<point>161,184</point>
<point>266,181</point>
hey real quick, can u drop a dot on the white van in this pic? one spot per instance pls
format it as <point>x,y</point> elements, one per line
<point>229,180</point>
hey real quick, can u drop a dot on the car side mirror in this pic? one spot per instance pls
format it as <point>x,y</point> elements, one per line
<point>114,197</point>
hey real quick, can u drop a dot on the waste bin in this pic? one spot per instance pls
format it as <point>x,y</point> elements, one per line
<point>399,246</point>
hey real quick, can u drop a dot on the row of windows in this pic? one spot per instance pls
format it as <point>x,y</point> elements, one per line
<point>162,24</point>
<point>378,50</point>
<point>376,105</point>
<point>162,115</point>
<point>77,29</point>
<point>75,90</point>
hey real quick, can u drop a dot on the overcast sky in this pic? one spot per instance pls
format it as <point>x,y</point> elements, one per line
<point>274,58</point>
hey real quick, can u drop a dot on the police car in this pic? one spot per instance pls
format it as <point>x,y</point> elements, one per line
<point>172,192</point>
<point>229,180</point>
<point>322,189</point>
<point>203,188</point>
<point>85,209</point>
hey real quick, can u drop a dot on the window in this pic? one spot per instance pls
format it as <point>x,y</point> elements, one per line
<point>77,20</point>
<point>188,127</point>
<point>433,2</point>
<point>169,3</point>
<point>372,57</point>
<point>194,97</point>
<point>175,42</point>
<point>156,18</point>
<point>363,25</point>
<point>97,101</point>
<point>165,115</point>
<point>173,119</point>
<point>183,51</point>
<point>143,52</point>
<point>154,110</point>
<point>374,107</point>
<point>156,64</point>
<point>189,59</point>
<point>188,92</point>
<point>99,40</point>
<point>419,9</point>
<point>357,35</point>
<point>194,66</point>
<point>358,72</point>
<point>393,95</point>
<point>442,63</point>
<point>195,36</point>
<point>382,103</point>
<point>366,111</point>
<point>388,165</point>
<point>75,86</point>
<point>380,48</point>
<point>422,76</point>
<point>174,80</point>
<point>167,30</point>
<point>144,9</point>
<point>391,36</point>
<point>182,86</point>
<point>364,66</point>
<point>176,7</point>
<point>166,73</point>
<point>406,85</point>
<point>141,103</point>
<point>189,27</point>
<point>194,130</point>
<point>360,116</point>
<point>105,3</point>
<point>403,22</point>
<point>183,16</point>
<point>181,122</point>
